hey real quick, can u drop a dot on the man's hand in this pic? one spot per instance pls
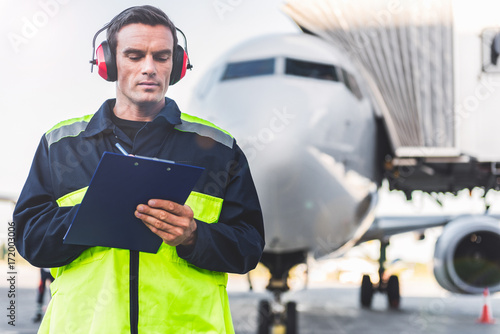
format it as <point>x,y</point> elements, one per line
<point>172,222</point>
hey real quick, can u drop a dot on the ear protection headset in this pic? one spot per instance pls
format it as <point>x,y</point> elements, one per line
<point>105,59</point>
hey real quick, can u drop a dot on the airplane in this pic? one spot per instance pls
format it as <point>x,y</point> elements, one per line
<point>314,126</point>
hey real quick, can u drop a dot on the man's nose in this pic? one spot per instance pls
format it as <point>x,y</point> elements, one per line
<point>148,66</point>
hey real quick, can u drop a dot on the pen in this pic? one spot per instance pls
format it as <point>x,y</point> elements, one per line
<point>121,148</point>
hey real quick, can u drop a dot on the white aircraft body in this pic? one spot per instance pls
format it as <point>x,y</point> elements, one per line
<point>309,140</point>
<point>315,127</point>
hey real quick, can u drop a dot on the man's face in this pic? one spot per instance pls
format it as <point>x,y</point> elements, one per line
<point>144,62</point>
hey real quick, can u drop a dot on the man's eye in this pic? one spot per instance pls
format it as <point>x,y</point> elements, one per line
<point>134,57</point>
<point>162,59</point>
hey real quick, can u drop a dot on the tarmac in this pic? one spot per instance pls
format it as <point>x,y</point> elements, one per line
<point>323,307</point>
<point>327,310</point>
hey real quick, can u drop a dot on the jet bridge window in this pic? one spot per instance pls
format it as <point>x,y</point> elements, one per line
<point>249,68</point>
<point>310,70</point>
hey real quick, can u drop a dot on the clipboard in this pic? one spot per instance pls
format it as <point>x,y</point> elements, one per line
<point>121,182</point>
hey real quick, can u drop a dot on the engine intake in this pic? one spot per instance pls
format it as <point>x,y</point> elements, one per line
<point>467,255</point>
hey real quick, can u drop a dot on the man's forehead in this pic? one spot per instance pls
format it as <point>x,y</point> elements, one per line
<point>141,34</point>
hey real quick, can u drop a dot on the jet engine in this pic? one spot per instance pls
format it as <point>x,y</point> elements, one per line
<point>467,255</point>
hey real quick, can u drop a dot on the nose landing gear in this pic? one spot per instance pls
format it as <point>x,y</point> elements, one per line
<point>281,319</point>
<point>277,317</point>
<point>390,286</point>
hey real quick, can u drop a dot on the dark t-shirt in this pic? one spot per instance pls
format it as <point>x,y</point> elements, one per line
<point>129,127</point>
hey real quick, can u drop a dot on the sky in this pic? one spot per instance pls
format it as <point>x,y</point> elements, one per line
<point>46,46</point>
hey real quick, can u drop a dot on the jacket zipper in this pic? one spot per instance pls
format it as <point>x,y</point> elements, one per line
<point>134,292</point>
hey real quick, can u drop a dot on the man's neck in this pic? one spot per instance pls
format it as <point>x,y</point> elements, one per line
<point>134,112</point>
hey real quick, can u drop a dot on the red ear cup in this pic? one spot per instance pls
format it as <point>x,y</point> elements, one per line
<point>106,63</point>
<point>179,65</point>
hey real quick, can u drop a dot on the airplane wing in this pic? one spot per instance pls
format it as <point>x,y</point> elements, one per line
<point>387,226</point>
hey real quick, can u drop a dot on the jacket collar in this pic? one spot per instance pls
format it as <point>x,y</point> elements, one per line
<point>102,119</point>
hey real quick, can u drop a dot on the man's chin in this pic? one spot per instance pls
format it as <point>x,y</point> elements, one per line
<point>152,101</point>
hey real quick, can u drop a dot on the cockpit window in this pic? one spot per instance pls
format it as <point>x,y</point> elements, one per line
<point>310,70</point>
<point>351,84</point>
<point>323,72</point>
<point>249,68</point>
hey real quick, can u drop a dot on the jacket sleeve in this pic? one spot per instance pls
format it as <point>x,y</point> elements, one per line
<point>40,223</point>
<point>236,242</point>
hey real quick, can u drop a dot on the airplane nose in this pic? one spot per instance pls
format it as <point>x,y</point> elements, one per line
<point>273,140</point>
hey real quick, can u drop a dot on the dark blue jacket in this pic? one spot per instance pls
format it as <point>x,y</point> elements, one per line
<point>69,153</point>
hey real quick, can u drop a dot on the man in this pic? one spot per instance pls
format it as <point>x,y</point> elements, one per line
<point>181,289</point>
<point>45,277</point>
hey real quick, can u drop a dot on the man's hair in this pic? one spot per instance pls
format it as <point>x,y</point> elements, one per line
<point>140,14</point>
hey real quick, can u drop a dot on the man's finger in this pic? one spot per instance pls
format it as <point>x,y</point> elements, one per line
<point>160,214</point>
<point>158,225</point>
<point>156,216</point>
<point>169,206</point>
<point>171,234</point>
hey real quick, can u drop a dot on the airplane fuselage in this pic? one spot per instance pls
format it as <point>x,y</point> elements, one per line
<point>310,136</point>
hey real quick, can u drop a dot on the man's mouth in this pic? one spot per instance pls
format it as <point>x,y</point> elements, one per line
<point>149,84</point>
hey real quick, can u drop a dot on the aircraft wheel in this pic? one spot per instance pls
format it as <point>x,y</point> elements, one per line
<point>366,292</point>
<point>264,317</point>
<point>393,292</point>
<point>291,318</point>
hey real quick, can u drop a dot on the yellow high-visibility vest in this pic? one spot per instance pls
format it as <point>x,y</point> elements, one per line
<point>91,295</point>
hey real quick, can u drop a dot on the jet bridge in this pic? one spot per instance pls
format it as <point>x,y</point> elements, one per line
<point>431,70</point>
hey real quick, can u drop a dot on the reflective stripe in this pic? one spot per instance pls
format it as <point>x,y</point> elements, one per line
<point>73,198</point>
<point>69,128</point>
<point>205,128</point>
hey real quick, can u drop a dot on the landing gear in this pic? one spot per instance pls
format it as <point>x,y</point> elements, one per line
<point>276,316</point>
<point>267,318</point>
<point>291,318</point>
<point>393,296</point>
<point>390,286</point>
<point>367,291</point>
<point>264,317</point>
